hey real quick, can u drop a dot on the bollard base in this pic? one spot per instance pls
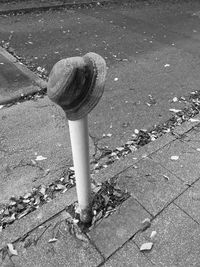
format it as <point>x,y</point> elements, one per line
<point>86,215</point>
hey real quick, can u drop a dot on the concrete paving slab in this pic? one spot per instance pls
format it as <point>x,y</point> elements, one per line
<point>131,159</point>
<point>185,165</point>
<point>32,129</point>
<point>36,218</point>
<point>177,242</point>
<point>112,232</point>
<point>153,186</point>
<point>189,201</point>
<point>128,256</point>
<point>36,251</point>
<point>192,138</point>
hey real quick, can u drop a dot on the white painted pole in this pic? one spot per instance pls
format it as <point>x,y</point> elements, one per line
<point>80,151</point>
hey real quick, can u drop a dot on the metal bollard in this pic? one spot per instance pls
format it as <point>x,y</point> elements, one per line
<point>76,84</point>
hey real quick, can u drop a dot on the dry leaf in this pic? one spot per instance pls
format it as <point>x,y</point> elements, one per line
<point>52,240</point>
<point>119,148</point>
<point>166,177</point>
<point>153,234</point>
<point>174,157</point>
<point>81,237</point>
<point>175,99</point>
<point>40,158</point>
<point>60,186</point>
<point>12,250</point>
<point>27,195</point>
<point>136,131</point>
<point>146,223</point>
<point>194,120</point>
<point>146,246</point>
<point>175,110</point>
<point>42,190</point>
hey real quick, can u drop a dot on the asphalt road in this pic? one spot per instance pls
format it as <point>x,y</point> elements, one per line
<point>152,51</point>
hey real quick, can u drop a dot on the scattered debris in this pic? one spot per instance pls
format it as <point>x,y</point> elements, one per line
<point>18,207</point>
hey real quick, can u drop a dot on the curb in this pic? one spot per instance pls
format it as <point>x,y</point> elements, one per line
<point>24,226</point>
<point>37,81</point>
<point>55,6</point>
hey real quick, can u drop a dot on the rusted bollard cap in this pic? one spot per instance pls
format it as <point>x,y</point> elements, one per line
<point>77,84</point>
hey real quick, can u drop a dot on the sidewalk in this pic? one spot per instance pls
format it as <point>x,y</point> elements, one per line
<point>162,178</point>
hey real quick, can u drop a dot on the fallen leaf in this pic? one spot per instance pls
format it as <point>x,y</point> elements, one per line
<point>12,250</point>
<point>136,131</point>
<point>27,195</point>
<point>174,157</point>
<point>146,223</point>
<point>175,99</point>
<point>119,148</point>
<point>42,190</point>
<point>194,120</point>
<point>166,177</point>
<point>116,79</point>
<point>60,186</point>
<point>175,110</point>
<point>81,237</point>
<point>52,240</point>
<point>167,65</point>
<point>153,234</point>
<point>40,158</point>
<point>146,246</point>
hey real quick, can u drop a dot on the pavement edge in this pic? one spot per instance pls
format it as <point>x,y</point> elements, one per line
<point>31,75</point>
